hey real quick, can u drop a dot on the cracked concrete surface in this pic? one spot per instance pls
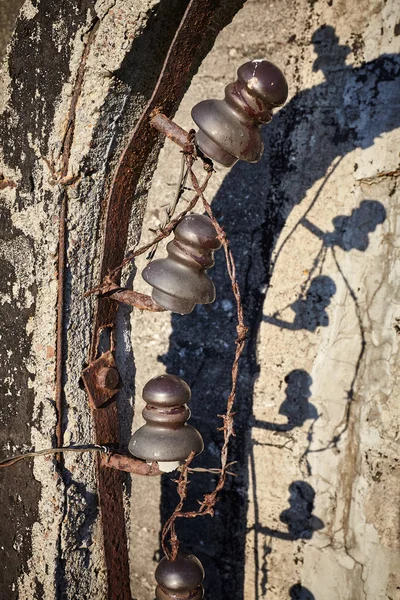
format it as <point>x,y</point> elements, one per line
<point>313,514</point>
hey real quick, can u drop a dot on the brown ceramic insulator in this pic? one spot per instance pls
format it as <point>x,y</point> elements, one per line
<point>229,129</point>
<point>166,437</point>
<point>180,281</point>
<point>163,594</point>
<point>180,579</point>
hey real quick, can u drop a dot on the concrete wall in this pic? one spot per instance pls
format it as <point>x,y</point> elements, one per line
<point>313,513</point>
<point>51,538</point>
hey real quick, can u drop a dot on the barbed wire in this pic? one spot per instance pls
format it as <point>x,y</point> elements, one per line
<point>164,233</point>
<point>206,505</point>
<point>169,538</point>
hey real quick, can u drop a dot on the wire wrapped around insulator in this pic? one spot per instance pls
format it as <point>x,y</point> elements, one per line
<point>229,129</point>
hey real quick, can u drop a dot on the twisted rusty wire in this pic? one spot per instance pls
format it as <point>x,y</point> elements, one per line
<point>169,539</point>
<point>206,505</point>
<point>164,233</point>
<point>173,204</point>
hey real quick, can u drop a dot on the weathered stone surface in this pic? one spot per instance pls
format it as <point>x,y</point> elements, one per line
<point>313,514</point>
<point>87,68</point>
<point>8,13</point>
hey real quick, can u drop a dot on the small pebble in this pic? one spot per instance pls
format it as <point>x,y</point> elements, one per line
<point>227,305</point>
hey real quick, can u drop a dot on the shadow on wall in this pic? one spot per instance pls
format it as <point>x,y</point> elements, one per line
<point>350,233</point>
<point>317,127</point>
<point>299,592</point>
<point>296,407</point>
<point>299,520</point>
<point>310,310</point>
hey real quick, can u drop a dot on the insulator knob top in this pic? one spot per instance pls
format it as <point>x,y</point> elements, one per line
<point>166,390</point>
<point>264,80</point>
<point>174,578</point>
<point>199,232</point>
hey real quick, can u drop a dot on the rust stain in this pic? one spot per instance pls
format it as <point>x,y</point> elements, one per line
<point>130,465</point>
<point>132,298</point>
<point>381,175</point>
<point>62,244</point>
<point>172,131</point>
<point>50,352</point>
<point>96,386</point>
<point>5,183</point>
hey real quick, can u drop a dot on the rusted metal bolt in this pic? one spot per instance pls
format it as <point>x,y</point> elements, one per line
<point>107,378</point>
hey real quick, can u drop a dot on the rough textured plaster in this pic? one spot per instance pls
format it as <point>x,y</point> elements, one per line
<point>65,543</point>
<point>68,505</point>
<point>320,525</point>
<point>51,536</point>
<point>318,469</point>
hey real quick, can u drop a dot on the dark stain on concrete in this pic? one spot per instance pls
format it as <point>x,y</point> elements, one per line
<point>19,491</point>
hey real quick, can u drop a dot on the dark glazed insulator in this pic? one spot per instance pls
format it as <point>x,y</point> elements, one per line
<point>166,437</point>
<point>230,128</point>
<point>179,281</point>
<point>180,579</point>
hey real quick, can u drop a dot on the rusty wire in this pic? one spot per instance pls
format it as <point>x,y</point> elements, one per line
<point>164,233</point>
<point>206,505</point>
<point>173,204</point>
